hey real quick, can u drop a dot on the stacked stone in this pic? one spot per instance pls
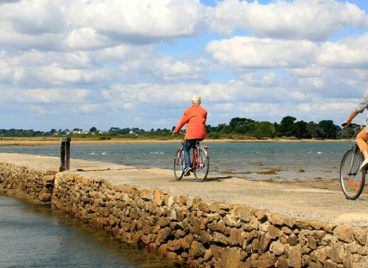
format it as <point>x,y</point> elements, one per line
<point>25,182</point>
<point>189,230</point>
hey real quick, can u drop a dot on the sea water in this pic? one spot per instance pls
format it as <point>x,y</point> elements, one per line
<point>35,236</point>
<point>255,160</point>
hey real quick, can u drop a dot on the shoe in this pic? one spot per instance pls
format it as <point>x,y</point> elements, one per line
<point>364,165</point>
<point>187,171</point>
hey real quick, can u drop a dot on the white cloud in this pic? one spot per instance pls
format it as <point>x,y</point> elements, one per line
<point>40,96</point>
<point>80,24</point>
<point>104,58</point>
<point>85,39</point>
<point>299,19</point>
<point>251,52</point>
<point>348,53</point>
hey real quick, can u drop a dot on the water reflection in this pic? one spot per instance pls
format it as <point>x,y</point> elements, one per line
<point>36,236</point>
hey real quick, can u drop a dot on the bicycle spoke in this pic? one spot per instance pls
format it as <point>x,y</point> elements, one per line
<point>351,179</point>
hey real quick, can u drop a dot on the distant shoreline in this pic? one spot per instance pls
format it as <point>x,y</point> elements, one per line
<point>43,141</point>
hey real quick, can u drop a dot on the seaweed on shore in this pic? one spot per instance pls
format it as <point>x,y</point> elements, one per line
<point>272,171</point>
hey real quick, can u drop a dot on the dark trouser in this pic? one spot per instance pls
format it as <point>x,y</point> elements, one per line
<point>188,144</point>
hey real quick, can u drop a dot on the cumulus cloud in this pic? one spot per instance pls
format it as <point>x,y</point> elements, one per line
<point>305,57</point>
<point>70,25</point>
<point>41,96</point>
<point>105,59</point>
<point>252,52</point>
<point>348,53</point>
<point>299,19</point>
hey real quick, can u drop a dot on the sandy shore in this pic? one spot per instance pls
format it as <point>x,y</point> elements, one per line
<point>41,141</point>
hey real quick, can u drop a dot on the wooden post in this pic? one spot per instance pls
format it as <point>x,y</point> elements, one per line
<point>65,154</point>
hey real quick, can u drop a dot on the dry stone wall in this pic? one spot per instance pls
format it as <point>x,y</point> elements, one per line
<point>21,181</point>
<point>192,231</point>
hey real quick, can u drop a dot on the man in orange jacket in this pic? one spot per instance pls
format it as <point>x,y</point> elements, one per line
<point>195,118</point>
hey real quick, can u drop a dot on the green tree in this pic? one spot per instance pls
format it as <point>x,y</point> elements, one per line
<point>329,129</point>
<point>301,130</point>
<point>264,130</point>
<point>93,130</point>
<point>286,127</point>
<point>315,131</point>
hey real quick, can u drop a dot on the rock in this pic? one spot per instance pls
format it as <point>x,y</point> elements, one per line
<point>322,254</point>
<point>344,233</point>
<point>158,198</point>
<point>163,222</point>
<point>273,232</point>
<point>207,255</point>
<point>194,223</point>
<point>277,248</point>
<point>162,235</point>
<point>243,213</point>
<point>231,221</point>
<point>293,240</point>
<point>294,256</point>
<point>302,224</point>
<point>338,253</point>
<point>186,241</point>
<point>174,245</point>
<point>44,197</point>
<point>277,219</point>
<point>331,264</point>
<point>236,238</point>
<point>196,249</point>
<point>204,237</point>
<point>360,235</point>
<point>169,201</point>
<point>282,262</point>
<point>231,258</point>
<point>264,242</point>
<point>261,215</point>
<point>146,194</point>
<point>266,260</point>
<point>220,238</point>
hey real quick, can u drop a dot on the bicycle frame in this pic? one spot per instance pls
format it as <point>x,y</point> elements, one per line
<point>355,149</point>
<point>196,160</point>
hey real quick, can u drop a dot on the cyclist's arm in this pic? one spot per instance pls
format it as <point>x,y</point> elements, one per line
<point>183,120</point>
<point>362,105</point>
<point>350,119</point>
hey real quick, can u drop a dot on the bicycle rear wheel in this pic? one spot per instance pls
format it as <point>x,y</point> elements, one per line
<point>179,165</point>
<point>201,165</point>
<point>351,179</point>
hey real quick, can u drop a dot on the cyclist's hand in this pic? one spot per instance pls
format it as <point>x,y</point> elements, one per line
<point>345,123</point>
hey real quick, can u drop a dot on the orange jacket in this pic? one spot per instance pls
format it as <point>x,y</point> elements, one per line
<point>195,118</point>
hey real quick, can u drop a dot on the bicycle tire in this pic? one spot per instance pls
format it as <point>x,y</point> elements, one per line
<point>352,180</point>
<point>179,165</point>
<point>202,165</point>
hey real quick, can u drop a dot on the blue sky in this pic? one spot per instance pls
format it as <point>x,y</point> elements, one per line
<point>67,64</point>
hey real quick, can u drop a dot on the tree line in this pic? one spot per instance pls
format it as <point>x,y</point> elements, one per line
<point>238,127</point>
<point>288,127</point>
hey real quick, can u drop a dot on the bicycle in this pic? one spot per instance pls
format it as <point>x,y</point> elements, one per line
<point>352,179</point>
<point>200,162</point>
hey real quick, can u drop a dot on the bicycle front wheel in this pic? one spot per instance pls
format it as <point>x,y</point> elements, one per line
<point>201,165</point>
<point>179,165</point>
<point>351,179</point>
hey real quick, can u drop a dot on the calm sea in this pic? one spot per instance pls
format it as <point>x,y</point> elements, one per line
<point>36,236</point>
<point>288,160</point>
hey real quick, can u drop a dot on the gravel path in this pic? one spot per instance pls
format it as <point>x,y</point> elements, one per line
<point>316,199</point>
